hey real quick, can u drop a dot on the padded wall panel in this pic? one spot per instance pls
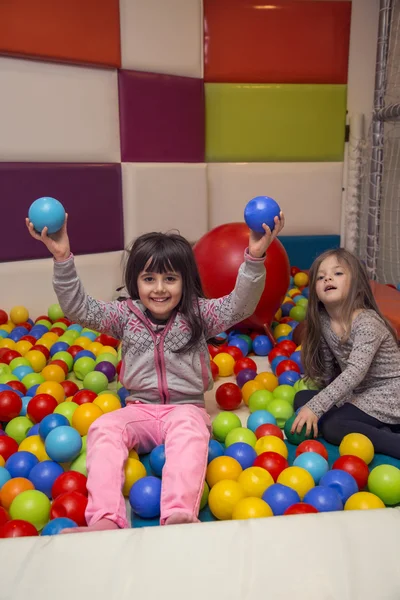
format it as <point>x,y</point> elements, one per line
<point>161,117</point>
<point>284,41</point>
<point>91,194</point>
<point>30,282</point>
<point>264,123</point>
<point>84,31</point>
<point>162,37</point>
<point>57,113</point>
<point>161,197</point>
<point>308,193</point>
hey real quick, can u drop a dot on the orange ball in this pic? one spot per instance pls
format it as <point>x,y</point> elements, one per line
<point>53,388</point>
<point>249,388</point>
<point>53,373</point>
<point>12,488</point>
<point>268,380</point>
<point>84,416</point>
<point>107,402</point>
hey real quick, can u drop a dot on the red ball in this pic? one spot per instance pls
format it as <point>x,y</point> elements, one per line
<point>287,346</point>
<point>218,276</point>
<point>107,340</point>
<point>8,356</point>
<point>287,365</point>
<point>235,352</point>
<point>27,325</point>
<point>17,528</point>
<point>29,338</point>
<point>84,396</point>
<point>43,318</point>
<point>10,405</point>
<point>71,505</point>
<point>70,388</point>
<point>70,481</point>
<point>244,363</point>
<point>300,508</point>
<point>61,364</point>
<point>18,386</point>
<point>228,396</point>
<point>275,352</point>
<point>66,322</point>
<point>294,271</point>
<point>353,465</point>
<point>214,370</point>
<point>40,406</point>
<point>42,349</point>
<point>268,429</point>
<point>73,350</point>
<point>272,462</point>
<point>4,516</point>
<point>3,317</point>
<point>312,446</point>
<point>57,330</point>
<point>213,350</point>
<point>8,446</point>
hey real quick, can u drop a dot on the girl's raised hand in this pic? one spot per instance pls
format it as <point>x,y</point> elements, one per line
<point>259,242</point>
<point>57,243</point>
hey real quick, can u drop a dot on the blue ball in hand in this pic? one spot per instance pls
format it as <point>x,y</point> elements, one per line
<point>47,212</point>
<point>259,210</point>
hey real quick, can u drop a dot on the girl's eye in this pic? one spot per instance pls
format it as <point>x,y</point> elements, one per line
<point>339,273</point>
<point>171,279</point>
<point>320,277</point>
<point>148,279</point>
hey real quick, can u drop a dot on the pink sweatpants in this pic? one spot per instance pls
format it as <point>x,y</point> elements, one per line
<point>185,431</point>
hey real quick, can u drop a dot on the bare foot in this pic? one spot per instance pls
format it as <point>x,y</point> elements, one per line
<point>102,525</point>
<point>178,518</point>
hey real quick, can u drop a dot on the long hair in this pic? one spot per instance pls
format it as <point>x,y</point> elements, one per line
<point>168,252</point>
<point>360,296</point>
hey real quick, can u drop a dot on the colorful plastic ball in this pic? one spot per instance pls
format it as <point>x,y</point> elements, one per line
<point>357,444</point>
<point>50,422</point>
<point>298,479</point>
<point>300,279</point>
<point>233,350</point>
<point>10,405</point>
<point>63,444</point>
<point>35,445</point>
<point>108,369</point>
<point>259,210</point>
<point>157,459</point>
<point>244,363</point>
<point>53,388</point>
<point>71,505</point>
<point>8,446</point>
<point>20,464</point>
<point>287,365</point>
<point>288,378</point>
<point>144,497</point>
<point>222,467</point>
<point>4,516</point>
<point>298,313</point>
<point>281,410</point>
<point>314,463</point>
<point>271,443</point>
<point>341,482</point>
<point>18,428</point>
<point>84,397</point>
<point>21,371</point>
<point>296,438</point>
<point>243,453</point>
<point>66,409</point>
<point>95,382</point>
<point>70,481</point>
<point>19,314</point>
<point>239,343</point>
<point>107,402</point>
<point>284,392</point>
<point>288,346</point>
<point>254,481</point>
<point>46,212</point>
<point>83,366</point>
<point>240,434</point>
<point>260,400</point>
<point>40,407</point>
<point>312,446</point>
<point>107,357</point>
<point>133,471</point>
<point>32,506</point>
<point>251,508</point>
<point>268,380</point>
<point>55,526</point>
<point>268,429</point>
<point>363,501</point>
<point>84,416</point>
<point>225,363</point>
<point>215,449</point>
<point>228,396</point>
<point>272,462</point>
<point>55,312</point>
<point>223,423</point>
<point>17,528</point>
<point>204,496</point>
<point>301,508</point>
<point>276,361</point>
<point>260,417</point>
<point>4,476</point>
<point>324,499</point>
<point>34,430</point>
<point>44,474</point>
<point>223,498</point>
<point>384,482</point>
<point>32,381</point>
<point>262,345</point>
<point>249,388</point>
<point>280,497</point>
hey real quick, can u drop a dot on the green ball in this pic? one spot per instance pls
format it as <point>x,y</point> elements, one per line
<point>284,392</point>
<point>259,400</point>
<point>384,482</point>
<point>95,382</point>
<point>303,302</point>
<point>84,443</point>
<point>79,464</point>
<point>6,377</point>
<point>87,330</point>
<point>72,333</point>
<point>60,325</point>
<point>19,362</point>
<point>223,424</point>
<point>66,357</point>
<point>5,369</point>
<point>298,313</point>
<point>84,366</point>
<point>32,379</point>
<point>55,312</point>
<point>18,428</point>
<point>67,409</point>
<point>107,357</point>
<point>32,506</point>
<point>296,438</point>
<point>44,322</point>
<point>282,410</point>
<point>204,497</point>
<point>240,434</point>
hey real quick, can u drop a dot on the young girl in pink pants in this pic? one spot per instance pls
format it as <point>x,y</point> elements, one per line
<point>164,328</point>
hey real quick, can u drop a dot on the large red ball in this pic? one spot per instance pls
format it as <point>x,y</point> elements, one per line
<point>8,446</point>
<point>71,505</point>
<point>10,405</point>
<point>17,528</point>
<point>268,429</point>
<point>228,396</point>
<point>40,406</point>
<point>312,446</point>
<point>353,465</point>
<point>300,508</point>
<point>272,462</point>
<point>219,254</point>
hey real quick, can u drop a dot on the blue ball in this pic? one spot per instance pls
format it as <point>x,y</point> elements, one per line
<point>89,334</point>
<point>123,394</point>
<point>239,343</point>
<point>47,212</point>
<point>342,482</point>
<point>305,292</point>
<point>262,345</point>
<point>243,453</point>
<point>144,497</point>
<point>21,371</point>
<point>259,417</point>
<point>314,463</point>
<point>34,430</point>
<point>32,390</point>
<point>84,353</point>
<point>57,525</point>
<point>296,357</point>
<point>324,499</point>
<point>17,333</point>
<point>76,327</point>
<point>21,464</point>
<point>44,474</point>
<point>288,378</point>
<point>276,362</point>
<point>3,333</point>
<point>157,459</point>
<point>286,308</point>
<point>58,347</point>
<point>50,422</point>
<point>25,402</point>
<point>215,449</point>
<point>259,210</point>
<point>37,331</point>
<point>280,497</point>
<point>4,476</point>
<point>63,444</point>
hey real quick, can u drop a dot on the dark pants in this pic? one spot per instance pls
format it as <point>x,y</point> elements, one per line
<point>338,422</point>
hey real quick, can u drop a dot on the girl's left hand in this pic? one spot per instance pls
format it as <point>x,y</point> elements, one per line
<point>305,417</point>
<point>259,242</point>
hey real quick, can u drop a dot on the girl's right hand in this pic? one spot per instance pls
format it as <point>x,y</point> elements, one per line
<point>57,243</point>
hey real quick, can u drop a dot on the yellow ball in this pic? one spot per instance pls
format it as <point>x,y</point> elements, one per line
<point>271,443</point>
<point>249,388</point>
<point>282,329</point>
<point>83,342</point>
<point>53,388</point>
<point>225,363</point>
<point>293,292</point>
<point>298,479</point>
<point>23,346</point>
<point>134,470</point>
<point>53,373</point>
<point>363,501</point>
<point>222,467</point>
<point>251,508</point>
<point>46,342</point>
<point>223,498</point>
<point>133,454</point>
<point>35,445</point>
<point>49,335</point>
<point>7,327</point>
<point>107,402</point>
<point>84,416</point>
<point>7,343</point>
<point>278,315</point>
<point>19,314</point>
<point>109,350</point>
<point>254,481</point>
<point>359,445</point>
<point>96,348</point>
<point>36,359</point>
<point>268,380</point>
<point>300,279</point>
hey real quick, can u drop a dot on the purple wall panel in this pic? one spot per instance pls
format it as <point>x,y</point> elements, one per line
<point>161,117</point>
<point>90,193</point>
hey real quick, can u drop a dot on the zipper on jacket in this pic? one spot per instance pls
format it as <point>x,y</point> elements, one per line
<point>158,337</point>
